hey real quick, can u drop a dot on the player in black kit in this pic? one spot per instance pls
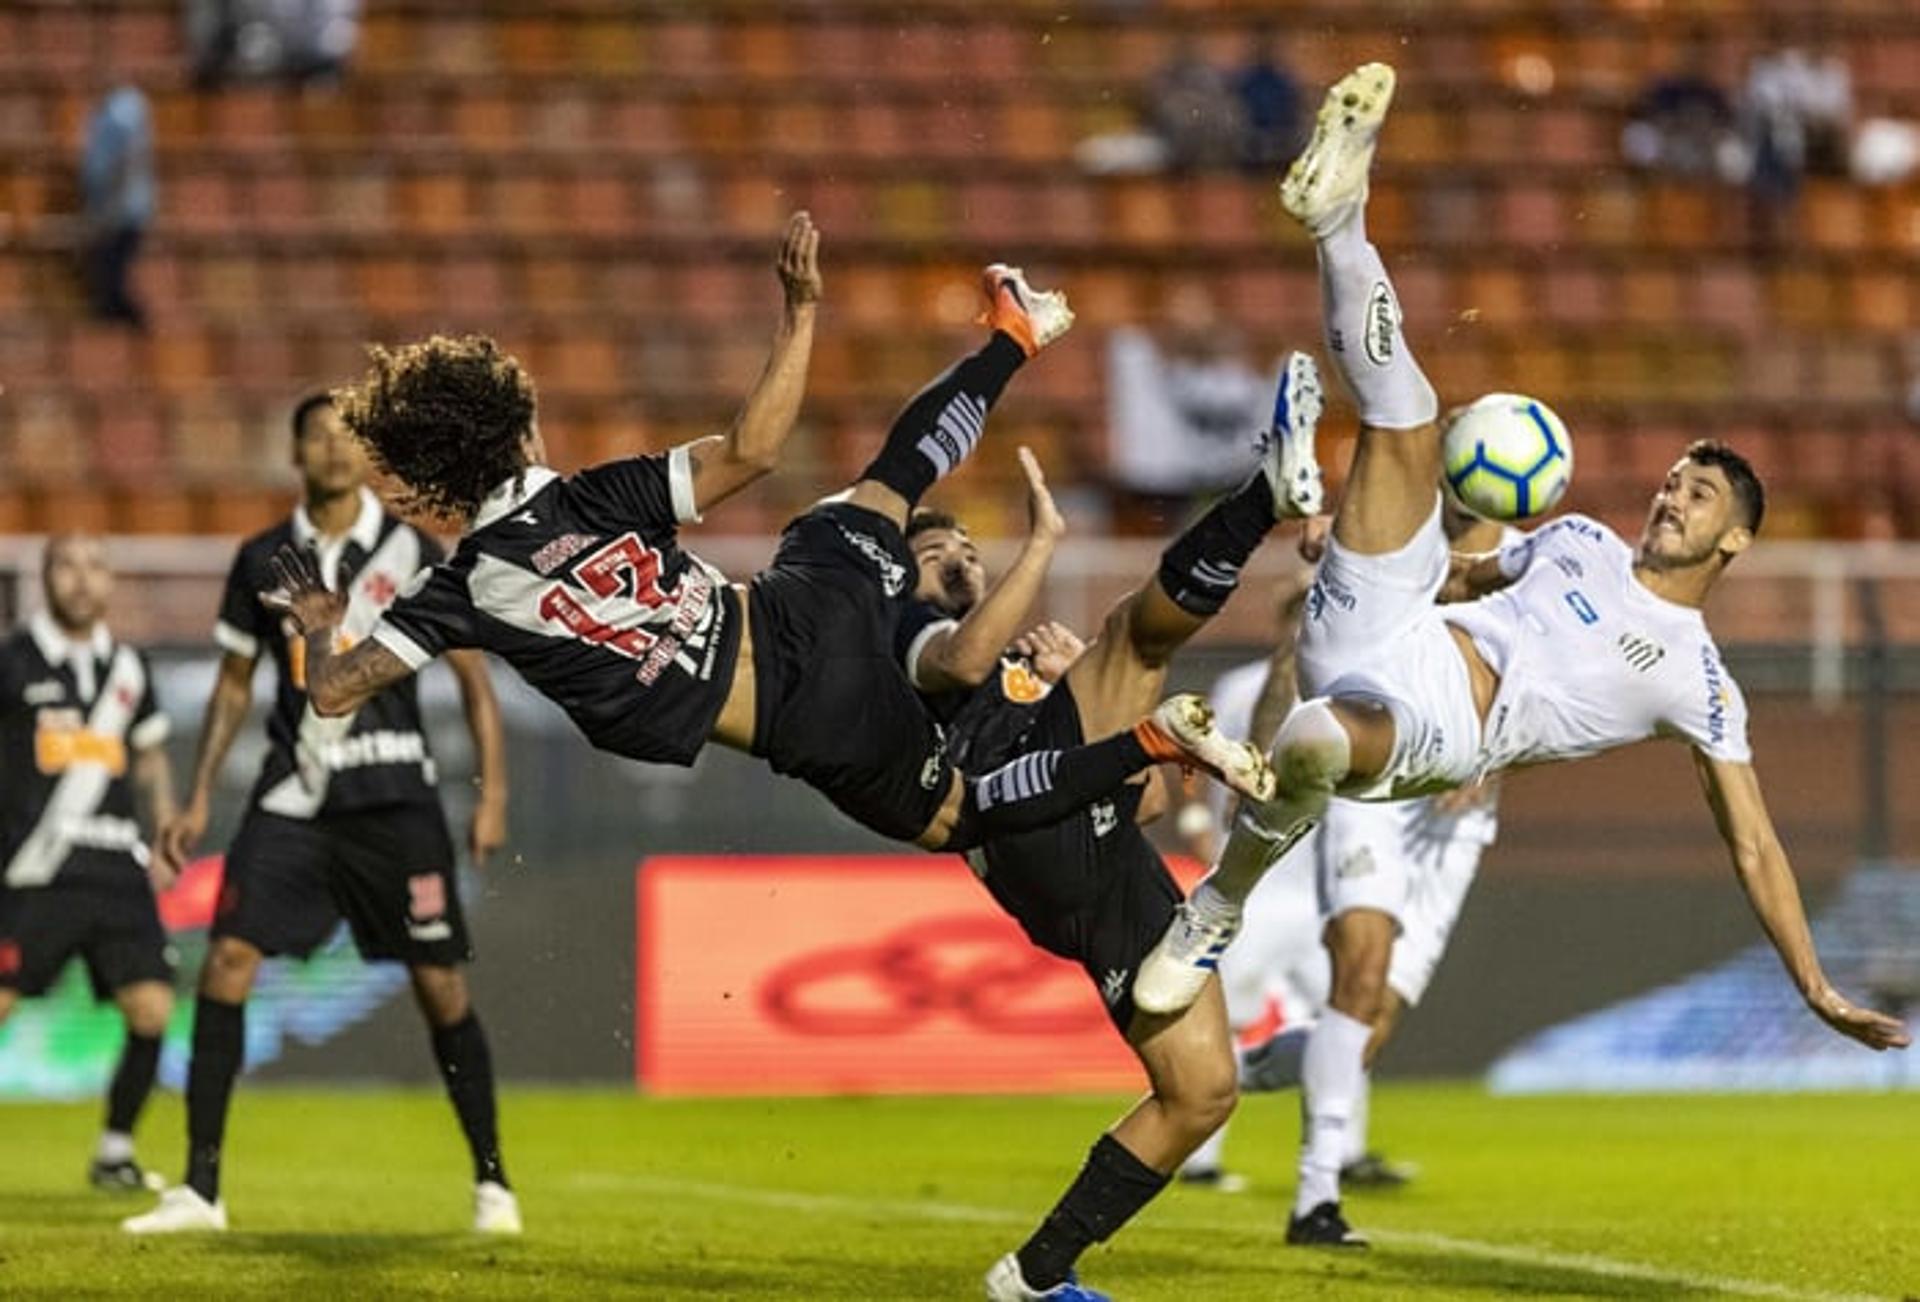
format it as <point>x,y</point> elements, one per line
<point>80,745</point>
<point>345,821</point>
<point>581,583</point>
<point>1091,887</point>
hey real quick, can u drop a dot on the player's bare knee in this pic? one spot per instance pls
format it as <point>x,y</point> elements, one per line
<point>1312,751</point>
<point>229,970</point>
<point>147,1006</point>
<point>441,992</point>
<point>7,999</point>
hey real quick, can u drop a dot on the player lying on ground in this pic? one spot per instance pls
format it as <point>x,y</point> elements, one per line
<point>1091,888</point>
<point>582,586</point>
<point>344,821</point>
<point>1414,860</point>
<point>82,740</point>
<point>1574,643</point>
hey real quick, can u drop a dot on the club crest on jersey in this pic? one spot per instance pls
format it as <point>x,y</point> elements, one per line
<point>1020,685</point>
<point>1642,653</point>
<point>380,589</point>
<point>1105,817</point>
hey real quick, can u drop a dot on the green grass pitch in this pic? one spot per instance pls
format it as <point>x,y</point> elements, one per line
<point>359,1194</point>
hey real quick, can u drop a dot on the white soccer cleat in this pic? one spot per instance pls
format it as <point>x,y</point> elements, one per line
<point>1175,971</point>
<point>1006,1284</point>
<point>1329,179</point>
<point>1288,460</point>
<point>1181,732</point>
<point>495,1209</point>
<point>1033,317</point>
<point>181,1211</point>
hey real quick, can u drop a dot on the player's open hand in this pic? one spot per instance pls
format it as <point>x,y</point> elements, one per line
<point>799,263</point>
<point>1044,520</point>
<point>1875,1030</point>
<point>1051,648</point>
<point>300,593</point>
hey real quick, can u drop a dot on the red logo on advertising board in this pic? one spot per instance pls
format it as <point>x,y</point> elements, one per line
<point>883,973</point>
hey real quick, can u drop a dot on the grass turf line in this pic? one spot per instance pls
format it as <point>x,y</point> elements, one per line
<point>363,1193</point>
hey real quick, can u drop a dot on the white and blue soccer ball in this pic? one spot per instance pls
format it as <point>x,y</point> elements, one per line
<point>1507,456</point>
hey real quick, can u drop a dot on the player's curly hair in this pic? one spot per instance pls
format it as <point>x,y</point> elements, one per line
<point>448,418</point>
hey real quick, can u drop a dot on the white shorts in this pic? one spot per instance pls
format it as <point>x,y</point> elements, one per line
<point>1371,630</point>
<point>1277,973</point>
<point>1440,892</point>
<point>1384,856</point>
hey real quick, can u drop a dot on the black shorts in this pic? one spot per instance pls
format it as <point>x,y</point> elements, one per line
<point>834,707</point>
<point>116,929</point>
<point>1090,888</point>
<point>389,872</point>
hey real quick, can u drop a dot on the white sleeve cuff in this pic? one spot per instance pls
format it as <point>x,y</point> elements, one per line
<point>149,732</point>
<point>239,643</point>
<point>680,484</point>
<point>911,661</point>
<point>410,652</point>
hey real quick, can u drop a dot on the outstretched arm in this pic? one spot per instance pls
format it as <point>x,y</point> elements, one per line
<point>337,682</point>
<point>723,464</point>
<point>1733,793</point>
<point>965,655</point>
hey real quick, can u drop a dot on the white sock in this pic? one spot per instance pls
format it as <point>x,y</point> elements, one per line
<point>1362,318</point>
<point>114,1146</point>
<point>1330,1081</point>
<point>1207,1157</point>
<point>1254,846</point>
<point>1275,1065</point>
<point>1357,1124</point>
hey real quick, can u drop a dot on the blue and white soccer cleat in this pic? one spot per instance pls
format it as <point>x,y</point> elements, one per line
<point>1329,179</point>
<point>1175,971</point>
<point>1287,456</point>
<point>1005,1284</point>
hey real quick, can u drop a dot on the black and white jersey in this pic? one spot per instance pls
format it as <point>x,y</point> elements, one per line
<point>580,583</point>
<point>986,724</point>
<point>378,755</point>
<point>71,716</point>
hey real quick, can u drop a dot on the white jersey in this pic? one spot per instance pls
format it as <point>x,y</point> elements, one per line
<point>1590,659</point>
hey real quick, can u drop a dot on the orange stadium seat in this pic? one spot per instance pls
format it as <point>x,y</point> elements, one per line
<point>531,172</point>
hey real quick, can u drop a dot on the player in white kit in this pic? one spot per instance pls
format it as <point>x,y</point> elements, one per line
<point>1413,861</point>
<point>1573,643</point>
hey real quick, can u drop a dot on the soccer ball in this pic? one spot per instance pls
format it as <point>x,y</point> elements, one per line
<point>1507,456</point>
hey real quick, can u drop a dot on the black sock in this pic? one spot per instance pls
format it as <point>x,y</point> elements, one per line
<point>132,1081</point>
<point>1042,787</point>
<point>939,428</point>
<point>1111,1188</point>
<point>467,1068</point>
<point>1201,568</point>
<point>219,1043</point>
